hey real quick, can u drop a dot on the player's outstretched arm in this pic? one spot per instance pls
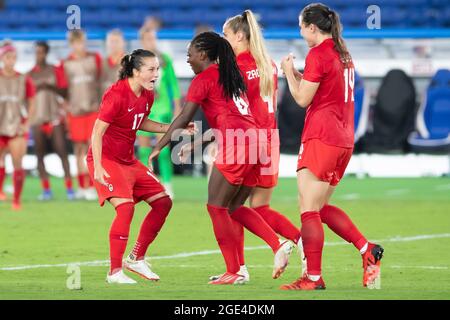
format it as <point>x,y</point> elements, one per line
<point>153,126</point>
<point>186,149</point>
<point>180,122</point>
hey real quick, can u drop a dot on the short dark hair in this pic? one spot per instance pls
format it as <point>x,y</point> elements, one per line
<point>44,45</point>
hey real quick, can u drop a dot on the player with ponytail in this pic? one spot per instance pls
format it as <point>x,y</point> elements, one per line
<point>326,90</point>
<point>118,176</point>
<point>219,89</point>
<point>260,76</point>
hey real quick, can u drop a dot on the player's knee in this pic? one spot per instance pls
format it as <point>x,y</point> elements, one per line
<point>163,205</point>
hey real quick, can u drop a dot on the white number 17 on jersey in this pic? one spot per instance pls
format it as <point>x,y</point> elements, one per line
<point>138,120</point>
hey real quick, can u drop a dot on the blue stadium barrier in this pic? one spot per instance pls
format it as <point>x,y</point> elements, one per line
<point>186,34</point>
<point>433,120</point>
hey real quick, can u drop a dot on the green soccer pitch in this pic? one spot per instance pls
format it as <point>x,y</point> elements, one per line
<point>409,217</point>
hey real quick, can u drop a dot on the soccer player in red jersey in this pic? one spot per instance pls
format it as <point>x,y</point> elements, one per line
<point>118,176</point>
<point>17,93</point>
<point>326,90</point>
<point>219,89</point>
<point>260,75</point>
<point>48,120</point>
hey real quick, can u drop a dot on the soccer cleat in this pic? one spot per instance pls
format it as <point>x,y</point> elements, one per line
<point>304,283</point>
<point>302,257</point>
<point>229,278</point>
<point>46,195</point>
<point>2,196</point>
<point>120,278</point>
<point>79,194</point>
<point>281,258</point>
<point>16,206</point>
<point>372,264</point>
<point>90,194</point>
<point>70,194</point>
<point>242,271</point>
<point>141,268</point>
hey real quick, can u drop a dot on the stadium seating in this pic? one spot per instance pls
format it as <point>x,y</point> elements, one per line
<point>393,115</point>
<point>362,99</point>
<point>185,14</point>
<point>433,118</point>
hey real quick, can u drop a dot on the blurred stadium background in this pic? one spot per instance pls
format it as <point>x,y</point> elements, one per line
<point>403,56</point>
<point>402,102</point>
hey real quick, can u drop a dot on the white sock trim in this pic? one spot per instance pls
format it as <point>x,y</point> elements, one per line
<point>364,248</point>
<point>313,278</point>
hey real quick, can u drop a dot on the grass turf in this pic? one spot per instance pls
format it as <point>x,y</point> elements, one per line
<point>61,232</point>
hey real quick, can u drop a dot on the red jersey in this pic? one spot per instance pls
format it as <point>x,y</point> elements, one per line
<point>124,112</point>
<point>221,113</point>
<point>329,118</point>
<point>263,108</point>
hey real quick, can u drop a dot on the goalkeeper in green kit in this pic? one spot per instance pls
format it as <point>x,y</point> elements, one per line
<point>166,106</point>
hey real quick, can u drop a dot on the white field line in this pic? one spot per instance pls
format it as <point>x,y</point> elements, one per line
<point>421,267</point>
<point>268,266</point>
<point>209,252</point>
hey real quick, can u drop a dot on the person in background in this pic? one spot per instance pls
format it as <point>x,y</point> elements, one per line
<point>82,70</point>
<point>17,93</point>
<point>167,105</point>
<point>115,47</point>
<point>48,120</point>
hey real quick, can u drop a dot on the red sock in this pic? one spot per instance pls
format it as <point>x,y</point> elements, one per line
<point>253,222</point>
<point>151,225</point>
<point>118,234</point>
<point>87,180</point>
<point>68,183</point>
<point>279,223</point>
<point>45,184</point>
<point>81,184</point>
<point>342,225</point>
<point>239,235</point>
<point>225,236</point>
<point>18,180</point>
<point>2,177</point>
<point>312,238</point>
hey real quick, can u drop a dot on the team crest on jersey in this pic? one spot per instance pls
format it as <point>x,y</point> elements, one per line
<point>110,187</point>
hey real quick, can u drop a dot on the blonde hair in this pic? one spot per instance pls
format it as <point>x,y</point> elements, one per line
<point>76,34</point>
<point>247,23</point>
<point>115,32</point>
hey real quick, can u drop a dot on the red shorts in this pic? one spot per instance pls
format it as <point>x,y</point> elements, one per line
<point>80,127</point>
<point>237,166</point>
<point>4,140</point>
<point>267,171</point>
<point>327,163</point>
<point>133,181</point>
<point>47,127</point>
